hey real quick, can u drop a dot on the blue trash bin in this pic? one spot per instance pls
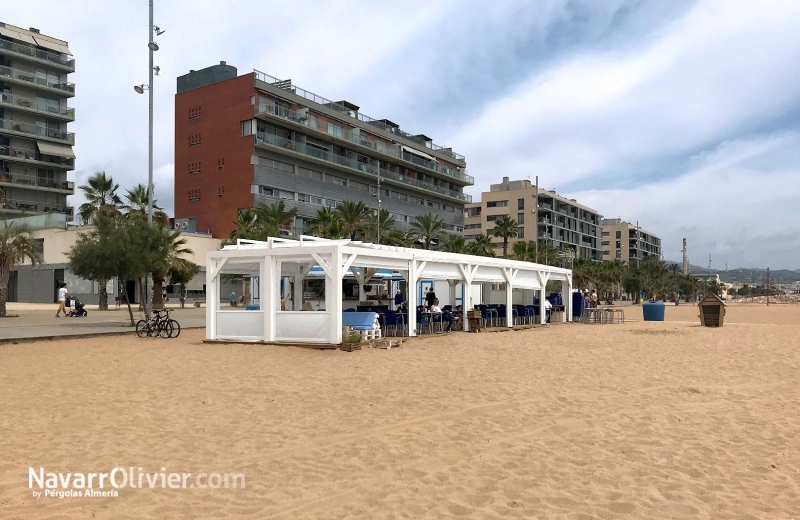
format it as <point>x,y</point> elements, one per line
<point>653,311</point>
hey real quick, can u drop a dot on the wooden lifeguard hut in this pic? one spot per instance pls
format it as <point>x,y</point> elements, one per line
<point>712,311</point>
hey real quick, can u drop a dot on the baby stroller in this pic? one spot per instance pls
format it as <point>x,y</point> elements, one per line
<point>77,310</point>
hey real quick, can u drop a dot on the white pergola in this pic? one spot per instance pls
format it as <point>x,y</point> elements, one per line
<point>276,258</point>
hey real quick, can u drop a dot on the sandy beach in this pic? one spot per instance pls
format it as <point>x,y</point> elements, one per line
<point>636,421</point>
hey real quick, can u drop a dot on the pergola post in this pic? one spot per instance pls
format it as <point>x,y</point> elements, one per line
<point>297,293</point>
<point>412,297</point>
<point>361,276</point>
<point>509,275</point>
<point>212,300</point>
<point>452,286</point>
<point>566,297</point>
<point>333,296</point>
<point>270,304</point>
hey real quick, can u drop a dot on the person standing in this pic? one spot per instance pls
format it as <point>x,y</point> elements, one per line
<point>430,297</point>
<point>62,299</point>
<point>398,299</point>
<point>233,299</point>
<point>594,299</point>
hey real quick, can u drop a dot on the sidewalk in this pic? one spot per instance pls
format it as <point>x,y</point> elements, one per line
<point>38,321</point>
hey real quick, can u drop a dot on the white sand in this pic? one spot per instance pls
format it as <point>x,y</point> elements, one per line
<point>641,420</point>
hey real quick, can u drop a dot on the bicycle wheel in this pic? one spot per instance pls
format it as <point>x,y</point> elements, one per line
<point>164,329</point>
<point>141,328</point>
<point>176,329</point>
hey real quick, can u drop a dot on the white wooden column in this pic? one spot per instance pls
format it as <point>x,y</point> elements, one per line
<point>566,296</point>
<point>333,296</point>
<point>510,275</point>
<point>412,297</point>
<point>468,274</point>
<point>270,297</point>
<point>452,284</point>
<point>543,277</point>
<point>212,299</point>
<point>361,276</point>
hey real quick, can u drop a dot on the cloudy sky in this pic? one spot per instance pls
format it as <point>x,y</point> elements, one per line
<point>682,115</point>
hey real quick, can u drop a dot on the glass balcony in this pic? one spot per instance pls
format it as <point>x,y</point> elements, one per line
<point>35,131</point>
<point>357,163</point>
<point>266,78</point>
<point>51,58</point>
<point>31,105</point>
<point>22,206</point>
<point>362,139</point>
<point>37,182</point>
<point>26,155</point>
<point>63,87</point>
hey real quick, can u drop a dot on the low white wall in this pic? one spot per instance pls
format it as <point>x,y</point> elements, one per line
<point>303,327</point>
<point>240,325</point>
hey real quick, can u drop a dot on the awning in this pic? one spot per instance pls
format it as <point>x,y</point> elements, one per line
<point>59,150</point>
<point>417,152</point>
<point>41,42</point>
<point>18,35</point>
<point>8,33</point>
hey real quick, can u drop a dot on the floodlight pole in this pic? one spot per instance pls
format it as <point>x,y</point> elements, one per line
<point>536,218</point>
<point>149,284</point>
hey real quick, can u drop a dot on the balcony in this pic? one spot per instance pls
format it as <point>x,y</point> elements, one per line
<point>31,131</point>
<point>28,156</point>
<point>269,109</point>
<point>63,88</point>
<point>28,181</point>
<point>27,207</point>
<point>30,105</point>
<point>37,55</point>
<point>354,164</point>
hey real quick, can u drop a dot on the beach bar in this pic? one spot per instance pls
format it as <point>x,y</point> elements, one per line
<point>268,263</point>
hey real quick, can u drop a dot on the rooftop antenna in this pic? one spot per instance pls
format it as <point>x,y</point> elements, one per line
<point>709,260</point>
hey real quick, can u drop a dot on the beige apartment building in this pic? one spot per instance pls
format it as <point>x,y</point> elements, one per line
<point>623,240</point>
<point>561,221</point>
<point>35,145</point>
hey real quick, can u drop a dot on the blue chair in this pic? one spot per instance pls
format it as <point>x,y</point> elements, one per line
<point>422,320</point>
<point>529,314</point>
<point>392,319</point>
<point>448,308</point>
<point>350,310</point>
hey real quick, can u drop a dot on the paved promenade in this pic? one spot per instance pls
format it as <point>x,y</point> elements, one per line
<point>39,321</point>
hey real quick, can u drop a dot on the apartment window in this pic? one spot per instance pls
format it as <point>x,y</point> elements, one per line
<point>520,203</point>
<point>47,105</point>
<point>359,186</point>
<point>606,233</point>
<point>335,130</point>
<point>282,166</point>
<point>473,212</point>
<point>312,121</point>
<point>311,199</point>
<point>194,113</point>
<point>337,180</point>
<point>473,226</point>
<point>194,140</point>
<point>492,218</point>
<point>331,203</point>
<point>248,128</point>
<point>619,244</point>
<point>497,204</point>
<point>220,191</point>
<point>521,232</point>
<point>434,205</point>
<point>415,200</point>
<point>619,253</point>
<point>286,195</point>
<point>263,190</point>
<point>619,235</point>
<point>520,218</point>
<point>448,208</point>
<point>309,174</point>
<point>399,196</point>
<point>604,243</point>
<point>220,162</point>
<point>606,253</point>
<point>194,167</point>
<point>194,195</point>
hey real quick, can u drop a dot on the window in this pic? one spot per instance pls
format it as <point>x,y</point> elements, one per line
<point>263,190</point>
<point>473,212</point>
<point>331,203</point>
<point>194,140</point>
<point>277,165</point>
<point>247,127</point>
<point>521,232</point>
<point>448,208</point>
<point>497,204</point>
<point>302,197</point>
<point>47,105</point>
<point>473,226</point>
<point>194,167</point>
<point>220,191</point>
<point>415,200</point>
<point>619,234</point>
<point>520,203</point>
<point>309,174</point>
<point>286,195</point>
<point>194,113</point>
<point>619,244</point>
<point>335,130</point>
<point>492,218</point>
<point>605,243</point>
<point>312,121</point>
<point>220,162</point>
<point>606,253</point>
<point>520,217</point>
<point>194,195</point>
<point>336,180</point>
<point>619,253</point>
<point>606,233</point>
<point>399,196</point>
<point>359,186</point>
<point>434,205</point>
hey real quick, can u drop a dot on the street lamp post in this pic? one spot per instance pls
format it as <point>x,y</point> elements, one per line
<point>152,46</point>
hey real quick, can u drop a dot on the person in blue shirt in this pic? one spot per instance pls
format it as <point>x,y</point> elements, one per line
<point>398,298</point>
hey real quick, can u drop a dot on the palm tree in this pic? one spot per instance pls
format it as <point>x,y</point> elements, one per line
<point>399,238</point>
<point>428,227</point>
<point>352,215</point>
<point>520,251</point>
<point>137,206</point>
<point>274,218</point>
<point>246,226</point>
<point>481,246</point>
<point>616,269</point>
<point>325,218</point>
<point>101,201</point>
<point>454,244</point>
<point>385,223</point>
<point>544,252</point>
<point>506,227</point>
<point>172,257</point>
<point>101,197</point>
<point>583,272</point>
<point>16,244</point>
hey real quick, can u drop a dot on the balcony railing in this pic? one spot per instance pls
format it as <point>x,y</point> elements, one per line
<point>37,131</point>
<point>355,164</point>
<point>266,78</point>
<point>35,207</point>
<point>33,106</point>
<point>40,54</point>
<point>393,150</point>
<point>39,182</point>
<point>27,154</point>
<point>20,75</point>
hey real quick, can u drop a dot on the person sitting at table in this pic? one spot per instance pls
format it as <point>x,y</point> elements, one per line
<point>446,315</point>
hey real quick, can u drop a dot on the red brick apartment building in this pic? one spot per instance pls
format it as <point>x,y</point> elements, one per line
<point>250,139</point>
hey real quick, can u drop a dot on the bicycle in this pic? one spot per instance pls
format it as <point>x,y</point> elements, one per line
<point>159,325</point>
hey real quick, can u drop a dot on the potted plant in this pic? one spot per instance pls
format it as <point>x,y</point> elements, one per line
<point>351,341</point>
